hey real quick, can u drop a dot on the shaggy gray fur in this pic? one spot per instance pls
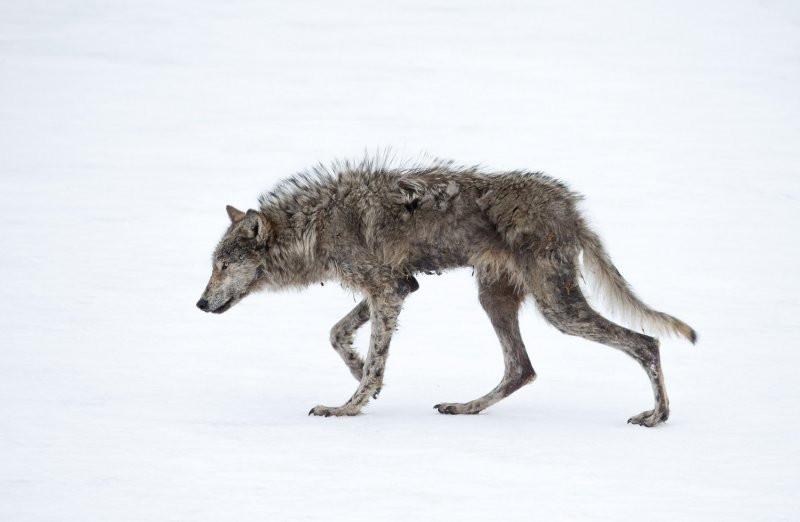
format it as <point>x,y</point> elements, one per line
<point>372,227</point>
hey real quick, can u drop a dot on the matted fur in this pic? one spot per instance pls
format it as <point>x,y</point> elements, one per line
<point>372,226</point>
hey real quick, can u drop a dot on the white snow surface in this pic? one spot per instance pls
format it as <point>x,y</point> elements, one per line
<point>127,126</point>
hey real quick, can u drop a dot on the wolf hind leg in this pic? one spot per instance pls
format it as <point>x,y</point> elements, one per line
<point>562,303</point>
<point>501,302</point>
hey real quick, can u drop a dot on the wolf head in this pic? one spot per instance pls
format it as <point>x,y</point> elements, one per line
<point>239,261</point>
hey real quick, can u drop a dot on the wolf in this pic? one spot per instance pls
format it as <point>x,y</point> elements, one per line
<point>372,227</point>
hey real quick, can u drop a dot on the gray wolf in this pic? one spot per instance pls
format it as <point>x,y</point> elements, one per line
<point>372,227</point>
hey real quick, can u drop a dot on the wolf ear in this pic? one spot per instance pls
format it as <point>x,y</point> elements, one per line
<point>235,214</point>
<point>255,226</point>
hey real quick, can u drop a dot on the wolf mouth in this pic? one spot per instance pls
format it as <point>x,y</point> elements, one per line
<point>224,308</point>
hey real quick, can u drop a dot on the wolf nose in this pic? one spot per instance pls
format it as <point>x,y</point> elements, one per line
<point>202,304</point>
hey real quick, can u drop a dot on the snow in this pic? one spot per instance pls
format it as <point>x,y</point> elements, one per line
<point>125,128</point>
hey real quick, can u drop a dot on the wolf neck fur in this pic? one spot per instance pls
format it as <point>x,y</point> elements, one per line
<point>295,246</point>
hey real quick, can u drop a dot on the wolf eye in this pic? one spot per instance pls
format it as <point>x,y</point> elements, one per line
<point>224,265</point>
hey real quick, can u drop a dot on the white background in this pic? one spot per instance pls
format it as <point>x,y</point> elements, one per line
<point>125,128</point>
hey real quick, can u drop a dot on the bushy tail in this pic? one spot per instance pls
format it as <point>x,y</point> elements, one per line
<point>618,294</point>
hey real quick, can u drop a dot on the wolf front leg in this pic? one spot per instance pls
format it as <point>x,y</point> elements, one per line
<point>342,337</point>
<point>384,310</point>
<point>343,332</point>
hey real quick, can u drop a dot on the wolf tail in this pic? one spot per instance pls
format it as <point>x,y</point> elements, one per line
<point>618,294</point>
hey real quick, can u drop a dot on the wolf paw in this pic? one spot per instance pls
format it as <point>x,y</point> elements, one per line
<point>450,408</point>
<point>326,411</point>
<point>649,418</point>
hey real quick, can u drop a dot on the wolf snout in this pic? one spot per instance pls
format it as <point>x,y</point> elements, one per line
<point>202,304</point>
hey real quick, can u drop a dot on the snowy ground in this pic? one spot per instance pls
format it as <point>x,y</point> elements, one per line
<point>125,127</point>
